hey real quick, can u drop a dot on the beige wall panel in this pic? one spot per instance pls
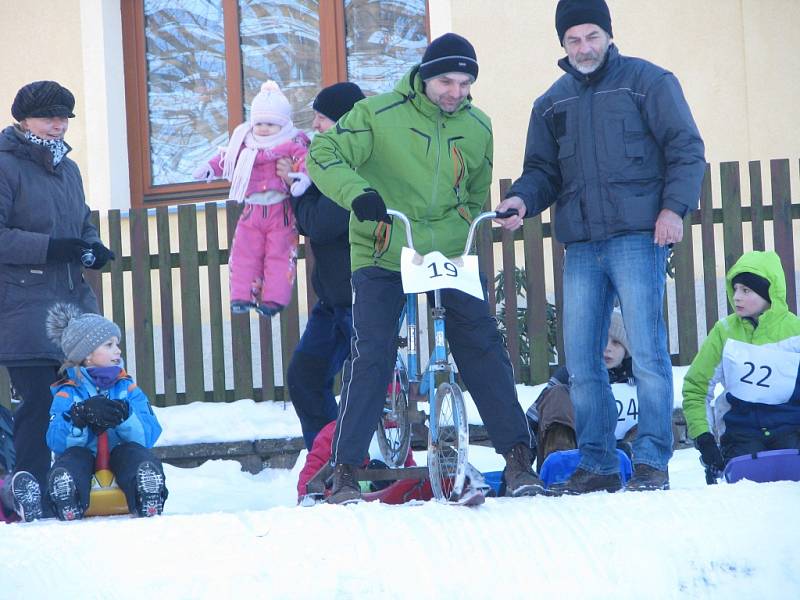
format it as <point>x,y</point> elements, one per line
<point>773,77</point>
<point>729,55</point>
<point>42,40</point>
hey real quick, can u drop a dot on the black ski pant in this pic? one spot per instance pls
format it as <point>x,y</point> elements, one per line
<point>316,361</point>
<point>124,461</point>
<point>741,443</point>
<point>475,343</point>
<point>32,417</point>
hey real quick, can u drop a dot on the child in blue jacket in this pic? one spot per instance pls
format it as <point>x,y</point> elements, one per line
<point>97,395</point>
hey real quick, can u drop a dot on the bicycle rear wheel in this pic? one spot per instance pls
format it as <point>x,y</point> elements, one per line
<point>394,428</point>
<point>447,454</point>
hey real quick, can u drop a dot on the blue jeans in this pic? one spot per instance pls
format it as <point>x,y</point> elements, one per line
<point>317,359</point>
<point>632,268</point>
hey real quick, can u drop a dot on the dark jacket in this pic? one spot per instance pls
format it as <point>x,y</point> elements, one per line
<point>611,149</point>
<point>37,201</point>
<point>326,224</point>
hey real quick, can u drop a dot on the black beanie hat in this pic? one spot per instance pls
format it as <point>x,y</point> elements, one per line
<point>43,99</point>
<point>449,53</point>
<point>757,283</point>
<point>578,12</point>
<point>337,99</point>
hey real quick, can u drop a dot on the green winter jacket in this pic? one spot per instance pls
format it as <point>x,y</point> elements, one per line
<point>776,324</point>
<point>435,167</point>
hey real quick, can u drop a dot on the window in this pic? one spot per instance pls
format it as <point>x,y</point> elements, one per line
<point>192,68</point>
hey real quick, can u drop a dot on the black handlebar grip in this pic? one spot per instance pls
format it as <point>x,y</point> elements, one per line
<point>505,214</point>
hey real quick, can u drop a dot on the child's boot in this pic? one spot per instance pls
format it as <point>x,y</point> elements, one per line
<point>26,496</point>
<point>64,495</point>
<point>150,490</point>
<point>269,309</point>
<point>240,307</point>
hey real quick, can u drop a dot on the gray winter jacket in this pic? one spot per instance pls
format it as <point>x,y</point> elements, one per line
<point>611,149</point>
<point>37,201</point>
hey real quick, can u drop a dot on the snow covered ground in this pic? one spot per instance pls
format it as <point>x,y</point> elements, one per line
<point>229,534</point>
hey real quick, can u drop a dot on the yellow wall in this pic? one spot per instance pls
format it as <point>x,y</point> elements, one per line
<point>735,59</point>
<point>42,40</point>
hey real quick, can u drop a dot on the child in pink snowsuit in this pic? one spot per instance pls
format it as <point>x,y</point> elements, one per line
<point>264,251</point>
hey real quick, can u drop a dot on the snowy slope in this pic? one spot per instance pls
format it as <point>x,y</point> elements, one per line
<point>229,534</point>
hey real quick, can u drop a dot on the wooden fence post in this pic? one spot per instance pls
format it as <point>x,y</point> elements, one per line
<point>709,257</point>
<point>240,326</point>
<point>167,307</point>
<point>215,303</point>
<point>142,301</point>
<point>782,224</point>
<point>191,318</point>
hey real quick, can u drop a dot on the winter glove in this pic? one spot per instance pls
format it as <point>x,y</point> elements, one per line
<point>99,413</point>
<point>300,185</point>
<point>204,171</point>
<point>709,451</point>
<point>370,207</point>
<point>101,255</point>
<point>63,250</point>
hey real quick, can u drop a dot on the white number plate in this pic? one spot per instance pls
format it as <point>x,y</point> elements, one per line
<point>437,272</point>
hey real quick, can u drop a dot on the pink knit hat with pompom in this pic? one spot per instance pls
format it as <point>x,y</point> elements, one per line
<point>270,106</point>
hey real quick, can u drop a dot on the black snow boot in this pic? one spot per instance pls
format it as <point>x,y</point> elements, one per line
<point>64,495</point>
<point>585,482</point>
<point>345,485</point>
<point>519,477</point>
<point>150,490</point>
<point>646,478</point>
<point>26,496</point>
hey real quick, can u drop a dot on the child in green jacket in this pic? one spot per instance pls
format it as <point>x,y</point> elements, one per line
<point>754,354</point>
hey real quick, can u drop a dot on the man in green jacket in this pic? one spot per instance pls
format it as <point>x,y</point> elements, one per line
<point>425,150</point>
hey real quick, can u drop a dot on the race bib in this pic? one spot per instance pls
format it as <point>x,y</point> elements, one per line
<point>759,374</point>
<point>437,272</point>
<point>627,408</point>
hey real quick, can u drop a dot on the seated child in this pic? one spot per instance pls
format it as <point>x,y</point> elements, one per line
<point>552,416</point>
<point>320,455</point>
<point>97,395</point>
<point>755,355</point>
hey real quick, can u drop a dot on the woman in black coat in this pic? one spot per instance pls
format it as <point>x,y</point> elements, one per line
<point>46,239</point>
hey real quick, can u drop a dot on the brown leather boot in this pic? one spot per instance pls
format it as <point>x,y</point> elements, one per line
<point>345,485</point>
<point>520,478</point>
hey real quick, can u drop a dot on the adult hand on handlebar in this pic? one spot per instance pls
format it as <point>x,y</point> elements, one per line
<point>513,222</point>
<point>369,206</point>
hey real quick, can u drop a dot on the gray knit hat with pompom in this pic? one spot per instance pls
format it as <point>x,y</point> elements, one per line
<point>77,333</point>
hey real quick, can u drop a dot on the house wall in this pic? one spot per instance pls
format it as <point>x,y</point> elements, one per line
<point>732,57</point>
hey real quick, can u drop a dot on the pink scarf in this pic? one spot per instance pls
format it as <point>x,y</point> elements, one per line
<point>238,170</point>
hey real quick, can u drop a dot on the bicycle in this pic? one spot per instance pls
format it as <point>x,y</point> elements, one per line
<point>448,432</point>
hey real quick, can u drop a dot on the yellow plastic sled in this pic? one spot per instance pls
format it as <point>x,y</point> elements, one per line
<point>106,497</point>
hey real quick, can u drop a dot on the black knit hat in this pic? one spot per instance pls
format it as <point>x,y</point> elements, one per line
<point>43,99</point>
<point>578,12</point>
<point>337,99</point>
<point>449,53</point>
<point>757,283</point>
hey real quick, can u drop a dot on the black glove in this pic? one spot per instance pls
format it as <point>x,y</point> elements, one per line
<point>99,413</point>
<point>370,207</point>
<point>63,250</point>
<point>101,255</point>
<point>709,451</point>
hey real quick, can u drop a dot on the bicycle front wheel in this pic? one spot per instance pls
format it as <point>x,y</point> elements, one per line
<point>394,427</point>
<point>448,440</point>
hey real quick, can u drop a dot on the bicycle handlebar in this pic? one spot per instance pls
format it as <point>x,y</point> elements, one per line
<point>473,226</point>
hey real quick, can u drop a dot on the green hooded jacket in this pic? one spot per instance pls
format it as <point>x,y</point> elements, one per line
<point>775,325</point>
<point>435,167</point>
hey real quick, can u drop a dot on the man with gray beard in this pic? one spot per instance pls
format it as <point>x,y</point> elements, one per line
<point>613,144</point>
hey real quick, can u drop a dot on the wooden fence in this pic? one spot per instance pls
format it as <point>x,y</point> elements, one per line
<point>208,346</point>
